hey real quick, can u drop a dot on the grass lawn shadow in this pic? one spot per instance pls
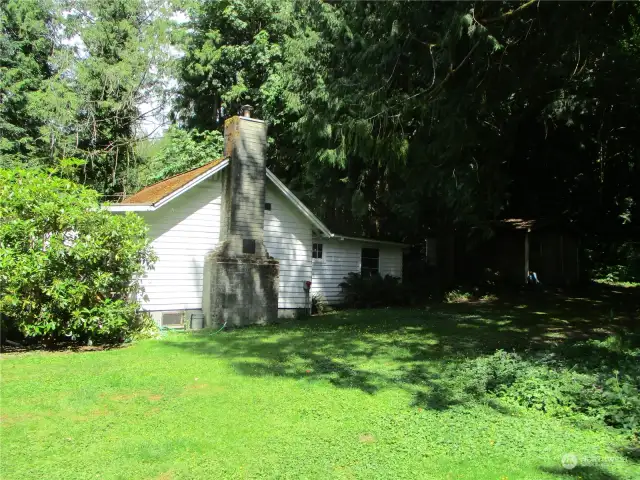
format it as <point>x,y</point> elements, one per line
<point>589,472</point>
<point>408,348</point>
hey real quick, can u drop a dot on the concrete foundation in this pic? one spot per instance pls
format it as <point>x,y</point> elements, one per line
<point>240,291</point>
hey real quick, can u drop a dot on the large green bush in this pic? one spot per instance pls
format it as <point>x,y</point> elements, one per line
<point>366,291</point>
<point>68,267</point>
<point>610,394</point>
<point>613,262</point>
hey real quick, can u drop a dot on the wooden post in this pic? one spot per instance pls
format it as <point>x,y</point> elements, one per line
<point>564,279</point>
<point>526,256</point>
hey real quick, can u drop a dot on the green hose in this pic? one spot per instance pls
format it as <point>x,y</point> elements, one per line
<point>221,328</point>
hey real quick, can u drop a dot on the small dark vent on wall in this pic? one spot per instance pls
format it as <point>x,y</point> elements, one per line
<point>171,319</point>
<point>267,206</point>
<point>248,246</point>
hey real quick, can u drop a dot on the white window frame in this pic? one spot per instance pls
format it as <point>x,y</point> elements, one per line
<point>315,259</point>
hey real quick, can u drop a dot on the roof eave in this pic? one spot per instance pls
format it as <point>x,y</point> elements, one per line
<point>132,207</point>
<point>301,206</point>
<point>367,240</point>
<point>191,184</point>
<point>147,207</point>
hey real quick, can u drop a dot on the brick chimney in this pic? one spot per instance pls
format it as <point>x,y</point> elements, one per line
<point>241,280</point>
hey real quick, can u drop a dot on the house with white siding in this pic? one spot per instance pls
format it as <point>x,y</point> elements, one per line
<point>235,244</point>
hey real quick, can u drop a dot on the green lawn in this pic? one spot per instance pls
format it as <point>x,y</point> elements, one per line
<point>349,395</point>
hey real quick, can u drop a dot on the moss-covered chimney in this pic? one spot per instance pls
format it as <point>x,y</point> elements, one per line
<point>244,187</point>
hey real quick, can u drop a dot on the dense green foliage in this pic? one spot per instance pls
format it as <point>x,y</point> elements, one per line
<point>403,117</point>
<point>614,262</point>
<point>68,268</point>
<point>367,291</point>
<point>355,394</point>
<point>26,44</point>
<point>414,116</point>
<point>181,150</point>
<point>78,80</point>
<point>610,392</point>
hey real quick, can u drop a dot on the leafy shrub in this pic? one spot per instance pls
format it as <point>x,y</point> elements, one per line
<point>456,296</point>
<point>319,304</point>
<point>621,394</point>
<point>494,373</point>
<point>371,290</point>
<point>145,327</point>
<point>614,262</point>
<point>558,393</point>
<point>67,266</point>
<point>609,396</point>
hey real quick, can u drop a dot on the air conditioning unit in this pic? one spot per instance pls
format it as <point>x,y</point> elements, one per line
<point>172,319</point>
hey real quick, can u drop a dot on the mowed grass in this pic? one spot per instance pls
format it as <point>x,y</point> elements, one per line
<point>346,395</point>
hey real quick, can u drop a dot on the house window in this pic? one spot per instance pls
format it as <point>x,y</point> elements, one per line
<point>317,250</point>
<point>370,261</point>
<point>248,246</point>
<point>267,206</point>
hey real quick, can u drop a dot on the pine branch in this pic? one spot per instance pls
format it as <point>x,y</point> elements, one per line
<point>508,14</point>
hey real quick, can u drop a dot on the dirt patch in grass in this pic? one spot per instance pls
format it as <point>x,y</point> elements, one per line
<point>125,398</point>
<point>168,475</point>
<point>196,386</point>
<point>92,415</point>
<point>367,438</point>
<point>14,419</point>
<point>152,411</point>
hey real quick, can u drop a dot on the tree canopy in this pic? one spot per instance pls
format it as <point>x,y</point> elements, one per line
<point>387,118</point>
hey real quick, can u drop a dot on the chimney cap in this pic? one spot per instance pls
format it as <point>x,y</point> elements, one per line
<point>246,110</point>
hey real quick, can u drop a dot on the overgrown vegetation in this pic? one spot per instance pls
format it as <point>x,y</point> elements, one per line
<point>319,304</point>
<point>180,151</point>
<point>457,296</point>
<point>68,268</point>
<point>367,291</point>
<point>609,391</point>
<point>416,118</point>
<point>616,262</point>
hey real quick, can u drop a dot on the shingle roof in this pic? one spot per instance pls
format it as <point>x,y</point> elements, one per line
<point>154,193</point>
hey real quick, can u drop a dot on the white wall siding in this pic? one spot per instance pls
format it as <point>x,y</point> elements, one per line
<point>287,237</point>
<point>340,257</point>
<point>182,232</point>
<point>187,228</point>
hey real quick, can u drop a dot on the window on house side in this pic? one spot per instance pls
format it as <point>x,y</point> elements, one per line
<point>370,261</point>
<point>317,250</point>
<point>267,206</point>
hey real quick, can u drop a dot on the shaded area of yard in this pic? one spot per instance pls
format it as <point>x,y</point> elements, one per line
<point>371,349</point>
<point>357,394</point>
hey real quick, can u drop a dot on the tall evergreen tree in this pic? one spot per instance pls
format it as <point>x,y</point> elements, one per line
<point>120,75</point>
<point>26,46</point>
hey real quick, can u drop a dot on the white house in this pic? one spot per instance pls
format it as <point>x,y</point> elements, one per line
<point>186,219</point>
